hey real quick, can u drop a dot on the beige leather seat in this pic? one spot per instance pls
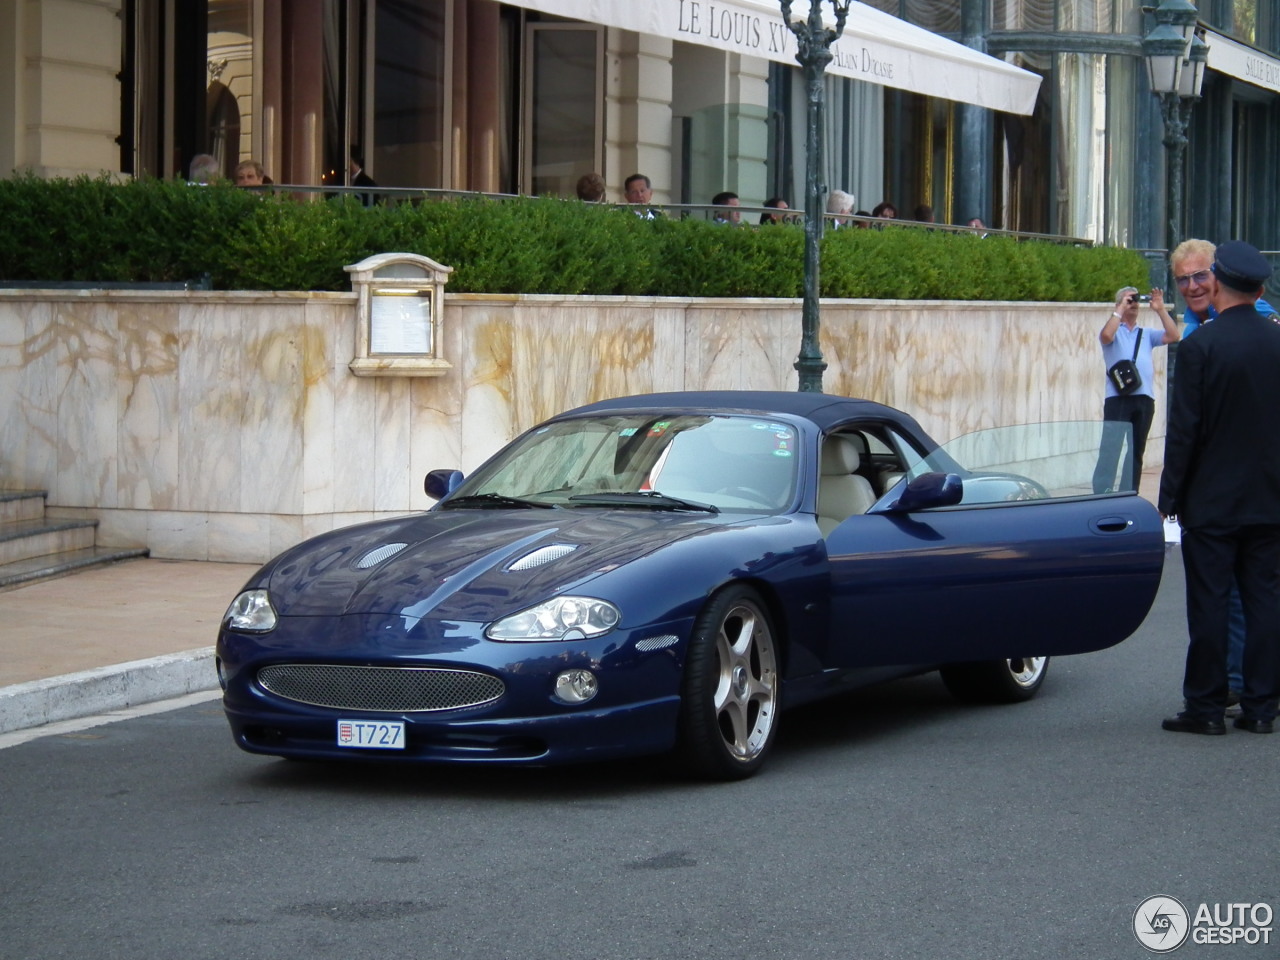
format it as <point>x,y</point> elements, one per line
<point>889,478</point>
<point>841,493</point>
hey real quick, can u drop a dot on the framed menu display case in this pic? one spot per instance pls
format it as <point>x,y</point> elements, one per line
<point>400,296</point>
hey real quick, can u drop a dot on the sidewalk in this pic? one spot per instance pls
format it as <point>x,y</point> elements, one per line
<point>110,638</point>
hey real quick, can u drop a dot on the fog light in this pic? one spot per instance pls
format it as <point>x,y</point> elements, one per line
<point>576,686</point>
<point>222,673</point>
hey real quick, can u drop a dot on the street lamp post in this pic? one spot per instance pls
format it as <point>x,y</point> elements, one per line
<point>1175,68</point>
<point>813,51</point>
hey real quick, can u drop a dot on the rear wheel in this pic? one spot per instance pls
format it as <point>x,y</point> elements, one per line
<point>996,681</point>
<point>729,697</point>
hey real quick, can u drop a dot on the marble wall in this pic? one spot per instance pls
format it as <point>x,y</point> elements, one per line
<point>227,426</point>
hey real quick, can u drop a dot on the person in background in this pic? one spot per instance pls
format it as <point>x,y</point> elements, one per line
<point>1222,481</point>
<point>638,191</point>
<point>204,169</point>
<point>924,214</point>
<point>840,206</point>
<point>1123,339</point>
<point>774,203</point>
<point>357,177</point>
<point>885,210</point>
<point>591,188</point>
<point>862,224</point>
<point>249,174</point>
<point>355,169</point>
<point>729,200</point>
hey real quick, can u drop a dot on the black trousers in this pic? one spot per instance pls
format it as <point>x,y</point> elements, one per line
<point>1252,555</point>
<point>1137,411</point>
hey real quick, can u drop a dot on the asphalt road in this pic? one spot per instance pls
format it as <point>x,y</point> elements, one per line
<point>892,823</point>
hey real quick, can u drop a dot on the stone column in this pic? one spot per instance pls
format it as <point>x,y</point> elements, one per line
<point>638,132</point>
<point>59,94</point>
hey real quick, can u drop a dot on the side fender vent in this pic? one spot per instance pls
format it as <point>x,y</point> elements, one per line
<point>649,644</point>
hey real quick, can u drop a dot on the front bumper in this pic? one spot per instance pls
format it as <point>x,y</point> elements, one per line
<point>634,713</point>
<point>631,730</point>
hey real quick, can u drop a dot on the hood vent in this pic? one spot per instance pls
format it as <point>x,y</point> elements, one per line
<point>552,551</point>
<point>376,556</point>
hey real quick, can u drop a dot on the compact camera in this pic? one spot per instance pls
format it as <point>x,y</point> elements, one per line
<point>1144,298</point>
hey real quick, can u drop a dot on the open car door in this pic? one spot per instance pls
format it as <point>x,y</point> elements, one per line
<point>1029,562</point>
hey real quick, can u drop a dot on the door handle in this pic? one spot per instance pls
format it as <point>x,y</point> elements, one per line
<point>1112,524</point>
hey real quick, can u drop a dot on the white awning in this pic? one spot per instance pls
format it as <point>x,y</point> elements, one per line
<point>1243,62</point>
<point>875,47</point>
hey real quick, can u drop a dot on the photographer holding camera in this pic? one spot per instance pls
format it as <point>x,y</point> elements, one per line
<point>1130,397</point>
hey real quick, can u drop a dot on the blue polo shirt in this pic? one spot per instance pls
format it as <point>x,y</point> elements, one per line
<point>1192,323</point>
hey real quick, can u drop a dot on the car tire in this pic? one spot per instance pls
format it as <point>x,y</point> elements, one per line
<point>996,681</point>
<point>729,694</point>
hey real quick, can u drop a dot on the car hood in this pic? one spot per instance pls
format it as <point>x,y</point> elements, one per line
<point>474,565</point>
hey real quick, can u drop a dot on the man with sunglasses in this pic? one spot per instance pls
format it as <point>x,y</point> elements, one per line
<point>1123,339</point>
<point>1192,265</point>
<point>1222,480</point>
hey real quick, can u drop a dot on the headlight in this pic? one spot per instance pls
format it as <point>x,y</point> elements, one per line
<point>562,618</point>
<point>252,612</point>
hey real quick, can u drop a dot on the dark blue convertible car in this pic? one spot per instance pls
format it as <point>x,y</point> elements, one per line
<point>667,573</point>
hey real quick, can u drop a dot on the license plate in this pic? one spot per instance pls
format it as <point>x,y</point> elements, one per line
<point>371,734</point>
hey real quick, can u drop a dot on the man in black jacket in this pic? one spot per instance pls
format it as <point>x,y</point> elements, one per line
<point>1222,480</point>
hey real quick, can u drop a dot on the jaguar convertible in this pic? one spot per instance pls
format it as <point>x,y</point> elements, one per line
<point>668,574</point>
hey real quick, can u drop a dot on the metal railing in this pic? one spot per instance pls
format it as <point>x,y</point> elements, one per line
<point>203,282</point>
<point>748,215</point>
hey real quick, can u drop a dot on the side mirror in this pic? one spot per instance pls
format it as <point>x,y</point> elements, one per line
<point>440,483</point>
<point>930,490</point>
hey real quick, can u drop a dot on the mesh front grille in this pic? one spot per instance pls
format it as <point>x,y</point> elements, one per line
<point>392,689</point>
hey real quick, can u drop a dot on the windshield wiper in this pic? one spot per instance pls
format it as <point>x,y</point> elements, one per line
<point>495,501</point>
<point>651,499</point>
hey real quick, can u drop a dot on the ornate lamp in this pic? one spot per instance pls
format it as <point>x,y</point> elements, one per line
<point>1176,59</point>
<point>813,52</point>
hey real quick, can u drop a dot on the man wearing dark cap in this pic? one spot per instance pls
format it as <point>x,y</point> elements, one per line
<point>1222,480</point>
<point>1192,266</point>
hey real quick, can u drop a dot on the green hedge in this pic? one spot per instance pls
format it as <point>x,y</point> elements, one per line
<point>153,231</point>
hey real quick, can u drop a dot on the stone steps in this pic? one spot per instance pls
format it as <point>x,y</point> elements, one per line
<point>35,547</point>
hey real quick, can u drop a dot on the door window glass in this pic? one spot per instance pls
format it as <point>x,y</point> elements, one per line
<point>409,93</point>
<point>563,136</point>
<point>229,97</point>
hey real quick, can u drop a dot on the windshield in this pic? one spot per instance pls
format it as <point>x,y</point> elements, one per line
<point>645,461</point>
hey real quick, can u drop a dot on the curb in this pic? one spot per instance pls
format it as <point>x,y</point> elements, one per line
<point>90,692</point>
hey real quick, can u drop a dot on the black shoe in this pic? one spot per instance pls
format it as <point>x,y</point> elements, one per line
<point>1185,724</point>
<point>1253,725</point>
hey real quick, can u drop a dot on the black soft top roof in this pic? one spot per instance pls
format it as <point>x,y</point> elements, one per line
<point>824,410</point>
